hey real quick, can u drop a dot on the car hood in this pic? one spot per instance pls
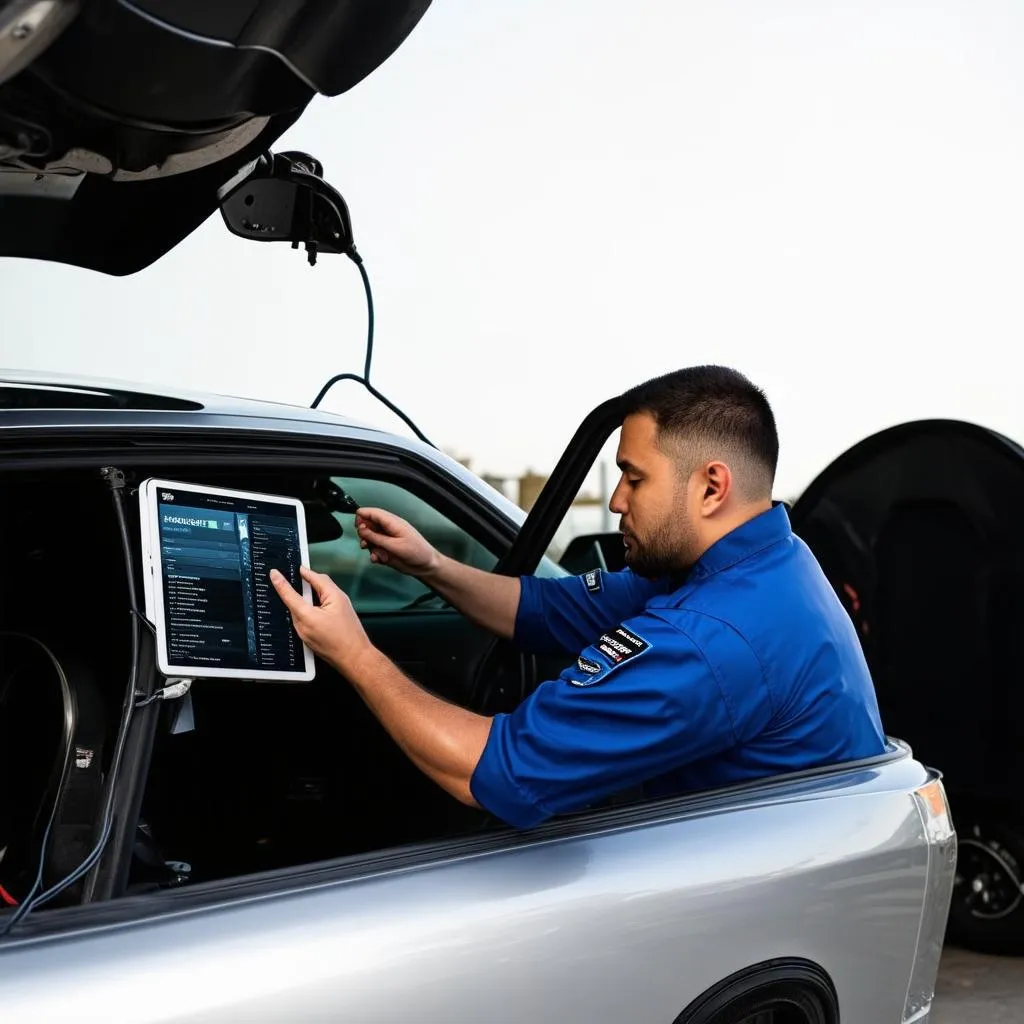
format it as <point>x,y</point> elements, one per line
<point>121,120</point>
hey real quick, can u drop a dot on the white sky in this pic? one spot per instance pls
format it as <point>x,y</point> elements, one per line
<point>558,199</point>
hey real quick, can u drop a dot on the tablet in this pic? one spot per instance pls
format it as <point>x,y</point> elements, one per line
<point>207,555</point>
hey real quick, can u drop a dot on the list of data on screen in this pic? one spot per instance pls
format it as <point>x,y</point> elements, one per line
<point>220,608</point>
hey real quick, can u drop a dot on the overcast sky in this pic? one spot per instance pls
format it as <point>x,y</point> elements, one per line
<point>558,199</point>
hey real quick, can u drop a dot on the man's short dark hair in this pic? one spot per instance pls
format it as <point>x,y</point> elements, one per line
<point>717,410</point>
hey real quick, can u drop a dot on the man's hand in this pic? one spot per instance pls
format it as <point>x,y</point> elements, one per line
<point>332,630</point>
<point>392,541</point>
<point>443,740</point>
<point>490,600</point>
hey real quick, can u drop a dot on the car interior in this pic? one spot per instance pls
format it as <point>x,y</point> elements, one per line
<point>244,776</point>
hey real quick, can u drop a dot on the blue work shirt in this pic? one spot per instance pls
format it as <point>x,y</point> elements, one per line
<point>746,667</point>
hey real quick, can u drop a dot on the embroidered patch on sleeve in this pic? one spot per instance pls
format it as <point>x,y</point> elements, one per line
<point>592,581</point>
<point>620,645</point>
<point>609,651</point>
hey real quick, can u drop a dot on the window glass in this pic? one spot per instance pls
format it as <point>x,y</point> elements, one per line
<point>376,588</point>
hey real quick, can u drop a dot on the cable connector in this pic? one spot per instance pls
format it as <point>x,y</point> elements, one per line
<point>114,477</point>
<point>175,689</point>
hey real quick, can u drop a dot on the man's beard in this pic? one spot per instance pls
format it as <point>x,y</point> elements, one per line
<point>667,549</point>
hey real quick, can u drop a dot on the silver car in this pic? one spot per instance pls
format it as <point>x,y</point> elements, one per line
<point>263,852</point>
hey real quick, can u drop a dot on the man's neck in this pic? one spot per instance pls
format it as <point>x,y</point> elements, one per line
<point>733,519</point>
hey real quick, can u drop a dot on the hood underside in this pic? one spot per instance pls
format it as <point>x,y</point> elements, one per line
<point>121,121</point>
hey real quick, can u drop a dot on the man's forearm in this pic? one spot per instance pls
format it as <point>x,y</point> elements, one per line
<point>443,740</point>
<point>489,600</point>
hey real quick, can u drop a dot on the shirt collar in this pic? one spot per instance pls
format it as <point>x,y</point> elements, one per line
<point>764,530</point>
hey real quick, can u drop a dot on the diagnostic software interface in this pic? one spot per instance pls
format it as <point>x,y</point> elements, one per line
<point>220,608</point>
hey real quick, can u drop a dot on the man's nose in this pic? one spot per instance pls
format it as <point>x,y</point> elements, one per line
<point>617,503</point>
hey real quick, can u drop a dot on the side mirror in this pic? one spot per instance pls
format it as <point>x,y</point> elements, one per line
<point>285,199</point>
<point>594,551</point>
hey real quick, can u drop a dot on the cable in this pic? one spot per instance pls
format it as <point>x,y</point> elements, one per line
<point>29,901</point>
<point>58,887</point>
<point>116,481</point>
<point>364,378</point>
<point>370,318</point>
<point>142,618</point>
<point>174,689</point>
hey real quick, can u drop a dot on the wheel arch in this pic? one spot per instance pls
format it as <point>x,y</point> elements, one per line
<point>776,978</point>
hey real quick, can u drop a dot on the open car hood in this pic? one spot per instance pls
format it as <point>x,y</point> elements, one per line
<point>120,120</point>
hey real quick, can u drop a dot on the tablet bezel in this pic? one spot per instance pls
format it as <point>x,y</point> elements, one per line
<point>153,583</point>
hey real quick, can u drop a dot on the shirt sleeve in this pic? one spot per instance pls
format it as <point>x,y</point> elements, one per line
<point>641,700</point>
<point>562,615</point>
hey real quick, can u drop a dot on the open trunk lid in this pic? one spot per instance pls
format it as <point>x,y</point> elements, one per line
<point>917,528</point>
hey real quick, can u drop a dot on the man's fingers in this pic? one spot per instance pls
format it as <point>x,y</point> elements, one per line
<point>292,600</point>
<point>379,521</point>
<point>321,583</point>
<point>370,537</point>
<point>377,530</point>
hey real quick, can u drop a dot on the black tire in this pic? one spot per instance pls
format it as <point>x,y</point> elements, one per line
<point>775,992</point>
<point>791,1007</point>
<point>987,910</point>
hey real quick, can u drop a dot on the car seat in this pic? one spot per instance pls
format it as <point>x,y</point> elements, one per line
<point>932,663</point>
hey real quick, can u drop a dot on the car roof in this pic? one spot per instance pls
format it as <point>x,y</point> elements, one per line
<point>40,400</point>
<point>24,390</point>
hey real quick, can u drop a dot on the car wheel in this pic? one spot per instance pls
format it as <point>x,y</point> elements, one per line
<point>776,992</point>
<point>987,911</point>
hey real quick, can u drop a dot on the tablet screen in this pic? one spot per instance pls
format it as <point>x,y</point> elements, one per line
<point>220,610</point>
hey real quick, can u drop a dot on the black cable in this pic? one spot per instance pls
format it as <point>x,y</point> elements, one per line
<point>364,379</point>
<point>58,887</point>
<point>69,748</point>
<point>116,481</point>
<point>367,362</point>
<point>29,901</point>
<point>142,618</point>
<point>370,317</point>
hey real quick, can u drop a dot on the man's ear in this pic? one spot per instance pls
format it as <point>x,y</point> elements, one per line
<point>718,485</point>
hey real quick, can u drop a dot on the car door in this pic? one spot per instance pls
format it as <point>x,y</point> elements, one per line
<point>620,914</point>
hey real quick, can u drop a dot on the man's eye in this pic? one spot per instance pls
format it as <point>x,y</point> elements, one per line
<point>633,480</point>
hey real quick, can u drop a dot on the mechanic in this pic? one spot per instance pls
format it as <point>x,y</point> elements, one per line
<point>720,654</point>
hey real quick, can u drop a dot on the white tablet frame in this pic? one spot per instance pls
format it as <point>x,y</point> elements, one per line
<point>152,568</point>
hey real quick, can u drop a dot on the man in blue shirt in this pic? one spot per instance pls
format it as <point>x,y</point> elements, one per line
<point>720,654</point>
